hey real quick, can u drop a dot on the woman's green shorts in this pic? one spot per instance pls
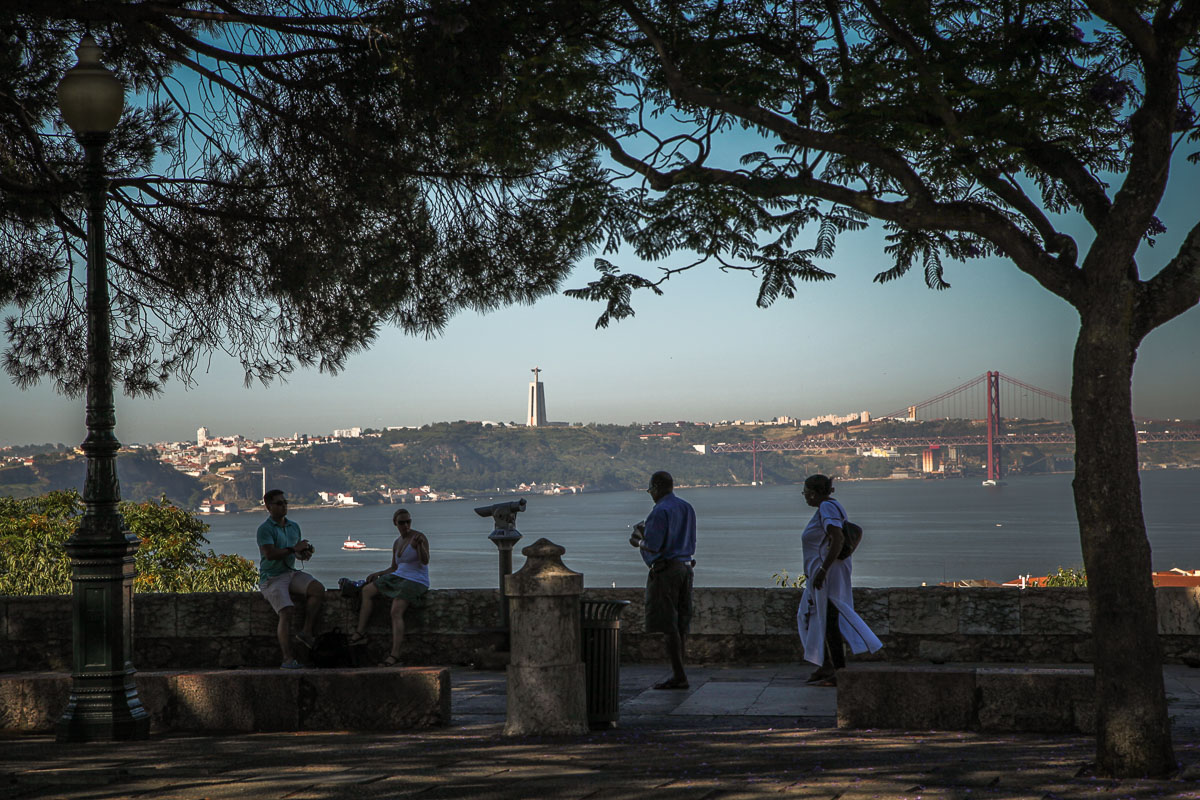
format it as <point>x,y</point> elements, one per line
<point>393,586</point>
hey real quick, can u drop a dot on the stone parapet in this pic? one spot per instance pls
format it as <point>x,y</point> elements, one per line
<point>990,699</point>
<point>928,624</point>
<point>251,700</point>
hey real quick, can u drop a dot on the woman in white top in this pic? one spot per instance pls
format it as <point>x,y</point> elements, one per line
<point>406,581</point>
<point>826,618</point>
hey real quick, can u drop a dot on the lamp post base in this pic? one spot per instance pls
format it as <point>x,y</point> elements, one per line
<point>104,702</point>
<point>108,710</point>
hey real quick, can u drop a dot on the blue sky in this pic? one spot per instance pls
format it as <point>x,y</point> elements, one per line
<point>703,351</point>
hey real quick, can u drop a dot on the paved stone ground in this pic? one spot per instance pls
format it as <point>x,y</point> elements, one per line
<point>737,733</point>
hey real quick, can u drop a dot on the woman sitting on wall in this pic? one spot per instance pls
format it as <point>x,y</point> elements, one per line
<point>406,582</point>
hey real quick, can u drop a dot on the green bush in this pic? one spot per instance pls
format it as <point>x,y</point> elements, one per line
<point>33,560</point>
<point>1068,576</point>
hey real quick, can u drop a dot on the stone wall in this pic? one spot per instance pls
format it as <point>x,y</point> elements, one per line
<point>460,626</point>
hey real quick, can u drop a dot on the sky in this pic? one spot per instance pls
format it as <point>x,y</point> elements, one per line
<point>702,352</point>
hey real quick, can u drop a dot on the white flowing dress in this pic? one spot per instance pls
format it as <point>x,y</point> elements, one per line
<point>810,617</point>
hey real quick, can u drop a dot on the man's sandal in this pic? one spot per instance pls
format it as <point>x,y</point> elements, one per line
<point>390,661</point>
<point>357,638</point>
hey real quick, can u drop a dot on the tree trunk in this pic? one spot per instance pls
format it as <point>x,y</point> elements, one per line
<point>1133,730</point>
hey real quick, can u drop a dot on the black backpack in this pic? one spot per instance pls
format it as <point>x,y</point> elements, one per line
<point>331,650</point>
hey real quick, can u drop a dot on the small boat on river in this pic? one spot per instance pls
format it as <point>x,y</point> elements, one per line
<point>353,544</point>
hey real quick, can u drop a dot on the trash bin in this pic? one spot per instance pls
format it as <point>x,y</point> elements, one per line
<point>601,640</point>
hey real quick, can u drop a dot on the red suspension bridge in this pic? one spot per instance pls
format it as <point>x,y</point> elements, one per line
<point>982,398</point>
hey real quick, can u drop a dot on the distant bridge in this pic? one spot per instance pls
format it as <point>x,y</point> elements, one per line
<point>817,444</point>
<point>966,401</point>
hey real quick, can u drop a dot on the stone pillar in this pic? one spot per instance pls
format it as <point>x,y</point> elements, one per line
<point>546,683</point>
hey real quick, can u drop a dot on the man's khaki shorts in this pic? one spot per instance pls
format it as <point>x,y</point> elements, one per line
<point>279,589</point>
<point>669,598</point>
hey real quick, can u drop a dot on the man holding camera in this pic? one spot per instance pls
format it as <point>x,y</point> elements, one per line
<point>667,543</point>
<point>280,543</point>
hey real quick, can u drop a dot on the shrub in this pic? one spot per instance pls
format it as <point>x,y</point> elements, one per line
<point>33,559</point>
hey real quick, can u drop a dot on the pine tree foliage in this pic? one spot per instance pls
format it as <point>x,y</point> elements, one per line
<point>285,180</point>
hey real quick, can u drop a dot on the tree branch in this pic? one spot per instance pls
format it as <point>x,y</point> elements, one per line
<point>1174,290</point>
<point>785,129</point>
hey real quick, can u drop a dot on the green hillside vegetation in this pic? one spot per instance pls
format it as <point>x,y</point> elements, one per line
<point>467,459</point>
<point>143,477</point>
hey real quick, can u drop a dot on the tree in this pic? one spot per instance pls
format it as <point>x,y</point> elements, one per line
<point>169,559</point>
<point>270,196</point>
<point>750,135</point>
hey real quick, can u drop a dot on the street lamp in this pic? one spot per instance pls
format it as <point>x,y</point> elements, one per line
<point>104,700</point>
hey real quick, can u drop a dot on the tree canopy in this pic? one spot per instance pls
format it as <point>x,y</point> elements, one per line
<point>274,194</point>
<point>751,135</point>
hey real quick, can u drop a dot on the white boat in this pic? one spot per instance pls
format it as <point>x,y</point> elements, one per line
<point>353,544</point>
<point>990,482</point>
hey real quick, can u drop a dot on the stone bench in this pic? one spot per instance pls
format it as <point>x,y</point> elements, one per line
<point>251,699</point>
<point>994,699</point>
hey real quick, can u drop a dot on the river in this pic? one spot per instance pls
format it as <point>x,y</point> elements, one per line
<point>916,531</point>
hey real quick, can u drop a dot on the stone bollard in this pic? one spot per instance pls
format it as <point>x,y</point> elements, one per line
<point>546,685</point>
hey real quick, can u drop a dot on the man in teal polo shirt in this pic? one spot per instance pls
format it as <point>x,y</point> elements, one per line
<point>279,542</point>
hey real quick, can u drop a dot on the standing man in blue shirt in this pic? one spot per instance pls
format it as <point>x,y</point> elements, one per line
<point>279,542</point>
<point>667,543</point>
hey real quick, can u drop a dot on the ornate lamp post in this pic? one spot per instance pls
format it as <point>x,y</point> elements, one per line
<point>104,700</point>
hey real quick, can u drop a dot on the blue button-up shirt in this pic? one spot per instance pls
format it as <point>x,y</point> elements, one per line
<point>670,531</point>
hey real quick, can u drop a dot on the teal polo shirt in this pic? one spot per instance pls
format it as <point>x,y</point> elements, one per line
<point>285,535</point>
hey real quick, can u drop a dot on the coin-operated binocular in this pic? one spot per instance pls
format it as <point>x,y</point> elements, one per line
<point>505,516</point>
<point>504,535</point>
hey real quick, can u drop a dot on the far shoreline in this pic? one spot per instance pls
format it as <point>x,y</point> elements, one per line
<point>497,497</point>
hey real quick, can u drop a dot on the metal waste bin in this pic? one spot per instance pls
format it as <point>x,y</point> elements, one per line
<point>601,639</point>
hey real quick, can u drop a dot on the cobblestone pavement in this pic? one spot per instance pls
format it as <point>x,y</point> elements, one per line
<point>737,733</point>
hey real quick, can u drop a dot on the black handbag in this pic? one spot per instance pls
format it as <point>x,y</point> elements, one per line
<point>851,536</point>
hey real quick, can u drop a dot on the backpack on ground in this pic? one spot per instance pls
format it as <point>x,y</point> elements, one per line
<point>332,650</point>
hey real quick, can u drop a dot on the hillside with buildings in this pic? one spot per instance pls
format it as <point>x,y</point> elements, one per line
<point>356,466</point>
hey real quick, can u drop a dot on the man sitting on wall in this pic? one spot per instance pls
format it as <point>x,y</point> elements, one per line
<point>280,543</point>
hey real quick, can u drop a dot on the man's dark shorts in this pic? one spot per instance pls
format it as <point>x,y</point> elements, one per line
<point>669,597</point>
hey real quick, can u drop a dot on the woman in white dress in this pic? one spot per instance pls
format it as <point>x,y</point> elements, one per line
<point>826,618</point>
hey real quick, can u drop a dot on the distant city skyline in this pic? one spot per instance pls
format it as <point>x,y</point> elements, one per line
<point>703,351</point>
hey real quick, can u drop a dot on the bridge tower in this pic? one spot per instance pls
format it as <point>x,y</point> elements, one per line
<point>756,475</point>
<point>993,426</point>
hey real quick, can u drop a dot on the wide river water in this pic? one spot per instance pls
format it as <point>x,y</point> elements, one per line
<point>916,531</point>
